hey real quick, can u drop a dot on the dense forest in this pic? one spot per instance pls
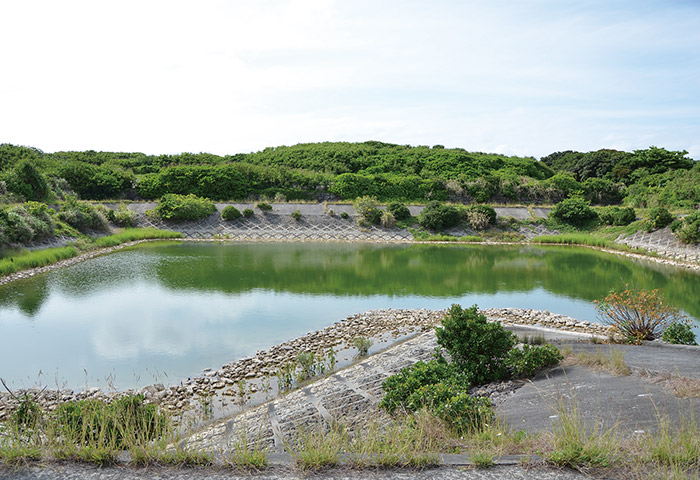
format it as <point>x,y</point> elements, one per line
<point>339,170</point>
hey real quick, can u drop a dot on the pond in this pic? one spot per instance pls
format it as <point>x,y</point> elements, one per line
<point>161,312</point>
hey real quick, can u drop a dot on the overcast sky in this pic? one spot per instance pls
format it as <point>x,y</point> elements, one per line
<point>514,77</point>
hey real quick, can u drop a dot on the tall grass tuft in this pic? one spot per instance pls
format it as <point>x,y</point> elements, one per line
<point>318,449</point>
<point>577,445</point>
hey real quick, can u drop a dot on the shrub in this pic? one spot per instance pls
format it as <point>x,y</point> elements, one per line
<point>484,210</point>
<point>574,210</point>
<point>532,359</point>
<point>230,213</point>
<point>399,211</point>
<point>248,212</point>
<point>388,220</point>
<point>82,215</point>
<point>184,207</point>
<point>617,216</point>
<point>477,220</point>
<point>122,217</point>
<point>296,215</point>
<point>438,216</point>
<point>26,223</point>
<point>26,180</point>
<point>637,314</point>
<point>344,215</point>
<point>477,346</point>
<point>400,388</point>
<point>689,229</point>
<point>366,208</point>
<point>658,217</point>
<point>679,333</point>
<point>264,207</point>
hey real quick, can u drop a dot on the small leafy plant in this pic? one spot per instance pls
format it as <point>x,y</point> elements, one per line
<point>679,333</point>
<point>248,212</point>
<point>532,359</point>
<point>264,207</point>
<point>296,215</point>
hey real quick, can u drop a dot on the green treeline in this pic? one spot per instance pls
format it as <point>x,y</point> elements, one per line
<point>342,170</point>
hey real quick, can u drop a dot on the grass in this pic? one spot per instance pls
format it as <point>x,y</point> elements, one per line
<point>318,449</point>
<point>247,455</point>
<point>576,445</point>
<point>613,361</point>
<point>132,234</point>
<point>424,236</point>
<point>482,459</point>
<point>576,239</point>
<point>25,259</point>
<point>412,443</point>
<point>37,258</point>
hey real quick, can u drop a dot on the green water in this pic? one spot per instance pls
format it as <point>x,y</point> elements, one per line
<point>164,311</point>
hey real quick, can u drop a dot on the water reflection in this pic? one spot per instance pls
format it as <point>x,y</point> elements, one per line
<point>179,308</point>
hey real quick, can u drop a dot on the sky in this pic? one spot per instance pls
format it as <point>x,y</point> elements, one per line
<point>525,78</point>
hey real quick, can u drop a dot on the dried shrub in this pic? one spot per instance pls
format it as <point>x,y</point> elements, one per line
<point>638,314</point>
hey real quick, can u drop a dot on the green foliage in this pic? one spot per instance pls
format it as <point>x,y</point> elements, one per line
<point>264,207</point>
<point>574,210</point>
<point>96,182</point>
<point>82,215</point>
<point>477,346</point>
<point>688,230</point>
<point>658,217</point>
<point>122,216</point>
<point>617,216</point>
<point>230,213</point>
<point>184,207</point>
<point>25,223</point>
<point>480,216</point>
<point>638,314</point>
<point>438,216</point>
<point>296,215</point>
<point>248,212</point>
<point>679,333</point>
<point>27,414</point>
<point>124,422</point>
<point>132,234</point>
<point>602,191</point>
<point>398,210</point>
<point>344,215</point>
<point>36,258</point>
<point>26,181</point>
<point>532,359</point>
<point>463,413</point>
<point>367,208</point>
<point>401,388</point>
